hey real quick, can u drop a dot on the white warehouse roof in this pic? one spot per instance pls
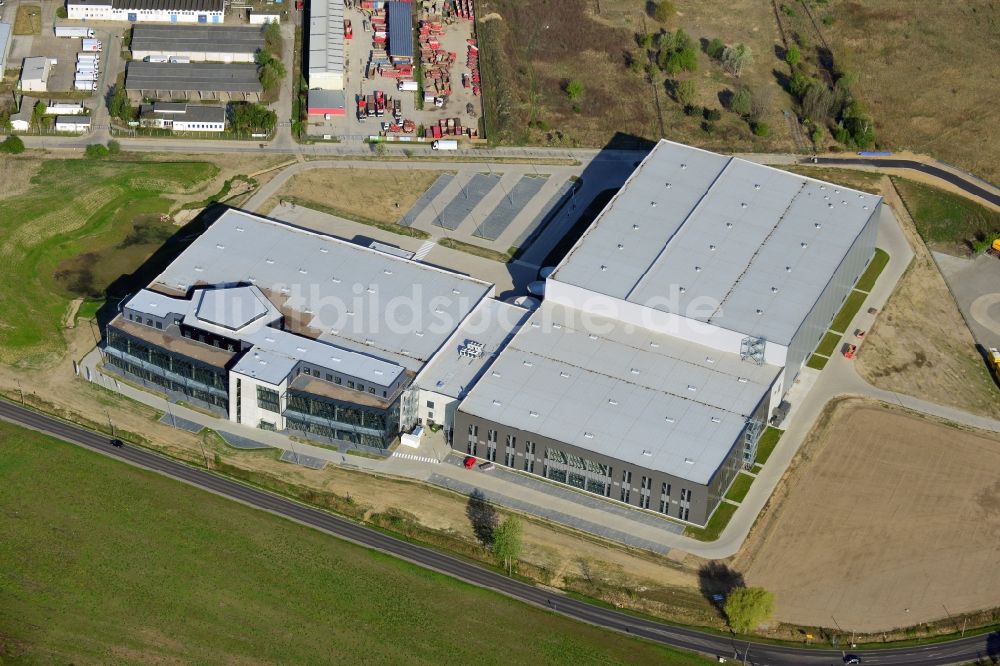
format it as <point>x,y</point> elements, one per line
<point>335,291</point>
<point>757,244</point>
<point>629,393</point>
<point>326,37</point>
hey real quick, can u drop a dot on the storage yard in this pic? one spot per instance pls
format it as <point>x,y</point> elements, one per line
<point>405,76</point>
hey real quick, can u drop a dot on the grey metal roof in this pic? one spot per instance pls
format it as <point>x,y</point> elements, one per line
<point>35,68</point>
<point>72,120</point>
<point>342,293</point>
<point>191,113</point>
<point>325,99</point>
<point>326,37</point>
<point>191,76</point>
<point>400,28</point>
<point>626,392</point>
<point>244,313</point>
<point>453,373</point>
<point>739,235</point>
<point>178,39</point>
<point>156,5</point>
<point>5,42</point>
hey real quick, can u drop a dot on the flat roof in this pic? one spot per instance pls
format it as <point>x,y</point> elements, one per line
<point>178,39</point>
<point>72,120</point>
<point>192,76</point>
<point>400,28</point>
<point>5,32</point>
<point>326,37</point>
<point>740,236</point>
<point>176,343</point>
<point>35,67</point>
<point>622,391</point>
<point>320,100</point>
<point>455,369</point>
<point>339,292</point>
<point>157,5</point>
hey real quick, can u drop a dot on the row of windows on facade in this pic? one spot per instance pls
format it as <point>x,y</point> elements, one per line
<point>193,392</point>
<point>318,374</point>
<point>182,367</point>
<point>592,476</point>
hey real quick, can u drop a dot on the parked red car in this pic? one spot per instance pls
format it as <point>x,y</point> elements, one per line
<point>470,462</point>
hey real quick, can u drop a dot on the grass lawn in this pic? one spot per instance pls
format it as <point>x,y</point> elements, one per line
<point>28,20</point>
<point>866,181</point>
<point>741,486</point>
<point>817,362</point>
<point>946,220</point>
<point>828,344</point>
<point>78,229</point>
<point>867,280</point>
<point>108,563</point>
<point>391,227</point>
<point>716,524</point>
<point>485,252</point>
<point>850,308</point>
<point>765,445</point>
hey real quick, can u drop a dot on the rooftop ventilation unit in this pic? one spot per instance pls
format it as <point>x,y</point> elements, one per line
<point>471,348</point>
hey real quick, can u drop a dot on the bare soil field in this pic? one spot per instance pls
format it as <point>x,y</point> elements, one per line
<point>951,50</point>
<point>381,196</point>
<point>884,520</point>
<point>530,51</point>
<point>920,345</point>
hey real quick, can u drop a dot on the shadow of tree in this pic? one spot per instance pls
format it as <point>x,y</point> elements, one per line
<point>716,581</point>
<point>483,517</point>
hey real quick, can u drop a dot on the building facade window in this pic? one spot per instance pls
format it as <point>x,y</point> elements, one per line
<point>510,450</point>
<point>268,399</point>
<point>491,445</point>
<point>665,498</point>
<point>578,472</point>
<point>626,485</point>
<point>472,447</point>
<point>529,457</point>
<point>645,491</point>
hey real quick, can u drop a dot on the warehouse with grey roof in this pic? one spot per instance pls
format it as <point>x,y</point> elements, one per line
<point>672,330</point>
<point>194,81</point>
<point>224,44</point>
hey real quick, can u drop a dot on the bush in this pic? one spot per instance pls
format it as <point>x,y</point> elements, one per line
<point>736,58</point>
<point>793,55</point>
<point>574,89</point>
<point>707,127</point>
<point>711,114</point>
<point>761,129</point>
<point>12,145</point>
<point>715,48</point>
<point>114,147</point>
<point>747,607</point>
<point>788,11</point>
<point>741,101</point>
<point>684,92</point>
<point>816,136</point>
<point>663,11</point>
<point>61,12</point>
<point>677,53</point>
<point>96,151</point>
<point>691,110</point>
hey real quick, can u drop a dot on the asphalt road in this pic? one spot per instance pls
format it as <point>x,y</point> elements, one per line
<point>964,183</point>
<point>959,651</point>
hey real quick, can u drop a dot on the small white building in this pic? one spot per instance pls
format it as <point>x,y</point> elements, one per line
<point>141,11</point>
<point>35,74</point>
<point>73,124</point>
<point>181,117</point>
<point>65,109</point>
<point>262,18</point>
<point>21,121</point>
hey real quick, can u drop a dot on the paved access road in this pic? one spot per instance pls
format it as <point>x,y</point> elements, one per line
<point>966,184</point>
<point>958,651</point>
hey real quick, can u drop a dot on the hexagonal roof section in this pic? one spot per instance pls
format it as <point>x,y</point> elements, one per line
<point>232,308</point>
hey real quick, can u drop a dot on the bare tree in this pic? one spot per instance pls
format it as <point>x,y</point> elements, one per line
<point>736,58</point>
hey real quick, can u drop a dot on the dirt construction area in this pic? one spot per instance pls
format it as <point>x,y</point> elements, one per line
<point>884,520</point>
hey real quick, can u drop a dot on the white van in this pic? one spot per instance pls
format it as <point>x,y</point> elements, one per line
<point>445,144</point>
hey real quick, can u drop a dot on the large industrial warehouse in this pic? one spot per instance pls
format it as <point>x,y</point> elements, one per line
<point>197,81</point>
<point>671,330</point>
<point>159,11</point>
<point>197,43</point>
<point>282,329</point>
<point>326,58</point>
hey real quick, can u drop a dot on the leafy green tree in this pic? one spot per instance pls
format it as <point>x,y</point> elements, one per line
<point>678,53</point>
<point>747,607</point>
<point>270,70</point>
<point>95,151</point>
<point>663,11</point>
<point>252,119</point>
<point>715,48</point>
<point>761,129</point>
<point>793,55</point>
<point>574,90</point>
<point>817,101</point>
<point>507,542</point>
<point>684,92</point>
<point>114,147</point>
<point>119,106</point>
<point>272,37</point>
<point>37,113</point>
<point>12,145</point>
<point>737,58</point>
<point>741,101</point>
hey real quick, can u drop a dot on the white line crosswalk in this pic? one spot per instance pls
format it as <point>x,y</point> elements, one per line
<point>410,456</point>
<point>424,250</point>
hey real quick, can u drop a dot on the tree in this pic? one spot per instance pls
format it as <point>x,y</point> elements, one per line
<point>253,119</point>
<point>760,129</point>
<point>114,147</point>
<point>507,542</point>
<point>119,106</point>
<point>677,53</point>
<point>38,113</point>
<point>747,607</point>
<point>663,11</point>
<point>711,114</point>
<point>270,70</point>
<point>95,151</point>
<point>760,104</point>
<point>684,92</point>
<point>817,101</point>
<point>793,55</point>
<point>741,101</point>
<point>61,12</point>
<point>272,37</point>
<point>736,58</point>
<point>574,89</point>
<point>12,145</point>
<point>715,48</point>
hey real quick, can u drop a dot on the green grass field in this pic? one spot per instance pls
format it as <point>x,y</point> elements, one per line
<point>850,308</point>
<point>946,219</point>
<point>107,563</point>
<point>80,226</point>
<point>741,486</point>
<point>828,344</point>
<point>817,362</point>
<point>765,445</point>
<point>867,280</point>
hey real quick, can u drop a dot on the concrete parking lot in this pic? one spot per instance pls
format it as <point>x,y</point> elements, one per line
<point>975,284</point>
<point>358,51</point>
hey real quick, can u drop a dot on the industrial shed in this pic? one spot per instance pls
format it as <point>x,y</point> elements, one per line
<point>326,45</point>
<point>137,11</point>
<point>72,124</point>
<point>5,43</point>
<point>192,81</point>
<point>225,44</point>
<point>400,15</point>
<point>35,74</point>
<point>181,117</point>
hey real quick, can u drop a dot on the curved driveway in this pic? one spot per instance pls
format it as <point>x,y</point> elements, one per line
<point>963,650</point>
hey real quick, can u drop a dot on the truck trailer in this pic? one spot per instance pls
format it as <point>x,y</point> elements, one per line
<point>84,85</point>
<point>76,32</point>
<point>445,144</point>
<point>92,46</point>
